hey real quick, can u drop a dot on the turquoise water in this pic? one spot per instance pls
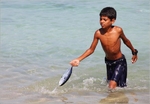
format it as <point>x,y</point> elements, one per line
<point>38,39</point>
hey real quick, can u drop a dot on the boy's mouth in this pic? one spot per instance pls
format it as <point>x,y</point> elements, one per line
<point>102,25</point>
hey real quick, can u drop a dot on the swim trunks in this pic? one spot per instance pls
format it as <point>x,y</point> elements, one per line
<point>117,71</point>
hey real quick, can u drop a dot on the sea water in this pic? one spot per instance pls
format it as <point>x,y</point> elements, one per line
<point>38,39</point>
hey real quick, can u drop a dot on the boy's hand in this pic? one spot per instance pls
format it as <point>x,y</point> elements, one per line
<point>134,59</point>
<point>75,62</point>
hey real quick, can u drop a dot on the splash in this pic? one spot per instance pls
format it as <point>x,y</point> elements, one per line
<point>55,90</point>
<point>89,81</point>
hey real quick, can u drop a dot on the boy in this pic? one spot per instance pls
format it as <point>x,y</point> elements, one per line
<point>110,37</point>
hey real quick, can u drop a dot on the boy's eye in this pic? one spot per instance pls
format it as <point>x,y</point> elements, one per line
<point>103,19</point>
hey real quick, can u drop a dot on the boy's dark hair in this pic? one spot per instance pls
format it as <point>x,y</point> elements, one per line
<point>110,12</point>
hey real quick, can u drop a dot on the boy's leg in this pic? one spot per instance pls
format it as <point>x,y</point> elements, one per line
<point>112,84</point>
<point>118,77</point>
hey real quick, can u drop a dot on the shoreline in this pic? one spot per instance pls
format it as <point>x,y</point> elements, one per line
<point>76,96</point>
<point>89,97</point>
<point>117,97</point>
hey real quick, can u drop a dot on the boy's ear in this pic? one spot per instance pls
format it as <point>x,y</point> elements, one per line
<point>113,20</point>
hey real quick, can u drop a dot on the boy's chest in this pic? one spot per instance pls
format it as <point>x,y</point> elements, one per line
<point>109,39</point>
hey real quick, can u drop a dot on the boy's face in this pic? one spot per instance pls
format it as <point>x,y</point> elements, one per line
<point>106,22</point>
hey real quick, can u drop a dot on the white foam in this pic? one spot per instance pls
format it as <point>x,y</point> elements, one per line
<point>89,81</point>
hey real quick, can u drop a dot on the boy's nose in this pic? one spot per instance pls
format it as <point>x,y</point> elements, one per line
<point>101,22</point>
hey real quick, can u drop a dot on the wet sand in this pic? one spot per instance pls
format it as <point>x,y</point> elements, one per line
<point>118,97</point>
<point>87,97</point>
<point>115,97</point>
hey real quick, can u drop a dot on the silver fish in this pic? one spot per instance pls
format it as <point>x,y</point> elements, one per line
<point>65,77</point>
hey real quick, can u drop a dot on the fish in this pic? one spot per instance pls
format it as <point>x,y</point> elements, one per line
<point>65,77</point>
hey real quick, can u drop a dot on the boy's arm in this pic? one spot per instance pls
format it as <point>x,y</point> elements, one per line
<point>129,45</point>
<point>88,52</point>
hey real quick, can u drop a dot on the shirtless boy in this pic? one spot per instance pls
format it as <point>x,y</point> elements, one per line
<point>110,37</point>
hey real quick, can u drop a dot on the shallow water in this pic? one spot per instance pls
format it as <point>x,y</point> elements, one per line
<point>39,38</point>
